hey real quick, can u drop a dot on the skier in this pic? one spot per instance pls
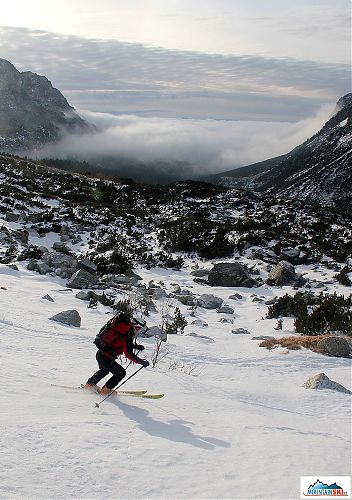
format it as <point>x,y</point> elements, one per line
<point>113,340</point>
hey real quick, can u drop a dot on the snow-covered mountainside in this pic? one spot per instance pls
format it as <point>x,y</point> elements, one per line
<point>213,271</point>
<point>319,170</point>
<point>32,112</point>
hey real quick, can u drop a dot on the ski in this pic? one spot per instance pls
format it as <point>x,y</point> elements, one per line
<point>66,386</point>
<point>73,388</point>
<point>148,396</point>
<point>137,394</point>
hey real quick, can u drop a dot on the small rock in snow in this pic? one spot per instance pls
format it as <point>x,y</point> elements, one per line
<point>225,310</point>
<point>70,318</point>
<point>322,381</point>
<point>208,301</point>
<point>240,331</point>
<point>262,337</point>
<point>47,297</point>
<point>199,322</point>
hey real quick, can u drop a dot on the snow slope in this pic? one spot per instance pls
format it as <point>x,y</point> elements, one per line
<point>235,421</point>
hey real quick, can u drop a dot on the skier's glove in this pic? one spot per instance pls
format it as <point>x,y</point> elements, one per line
<point>139,347</point>
<point>144,363</point>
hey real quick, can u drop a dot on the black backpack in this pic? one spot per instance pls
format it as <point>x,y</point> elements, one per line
<point>99,339</point>
<point>119,316</point>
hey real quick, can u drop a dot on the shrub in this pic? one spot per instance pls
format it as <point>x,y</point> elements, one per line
<point>343,278</point>
<point>32,252</point>
<point>289,305</point>
<point>115,263</point>
<point>331,313</point>
<point>178,324</point>
<point>315,315</point>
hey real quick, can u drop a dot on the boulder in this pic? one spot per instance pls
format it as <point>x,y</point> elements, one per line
<point>322,381</point>
<point>59,246</point>
<point>225,310</point>
<point>201,281</point>
<point>290,255</point>
<point>47,297</point>
<point>199,322</point>
<point>208,301</point>
<point>226,320</point>
<point>154,331</point>
<point>82,279</point>
<point>265,255</point>
<point>204,338</point>
<point>83,295</point>
<point>157,293</point>
<point>34,217</point>
<point>12,266</point>
<point>236,296</point>
<point>59,260</point>
<point>200,273</point>
<point>240,331</point>
<point>133,276</point>
<point>87,265</point>
<point>186,300</point>
<point>121,279</point>
<point>263,337</point>
<point>341,347</point>
<point>5,235</point>
<point>271,301</point>
<point>43,268</point>
<point>70,318</point>
<point>257,299</point>
<point>11,217</point>
<point>22,235</point>
<point>282,274</point>
<point>32,265</point>
<point>230,274</point>
<point>42,249</point>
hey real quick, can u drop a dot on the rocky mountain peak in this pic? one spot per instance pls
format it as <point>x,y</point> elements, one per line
<point>33,112</point>
<point>319,170</point>
<point>346,100</point>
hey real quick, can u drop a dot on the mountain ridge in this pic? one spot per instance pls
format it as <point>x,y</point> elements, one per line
<point>32,112</point>
<point>318,169</point>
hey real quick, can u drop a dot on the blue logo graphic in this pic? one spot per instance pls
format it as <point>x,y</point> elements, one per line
<point>320,489</point>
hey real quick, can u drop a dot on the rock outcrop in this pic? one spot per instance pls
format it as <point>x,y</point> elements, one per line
<point>209,301</point>
<point>230,274</point>
<point>340,347</point>
<point>32,112</point>
<point>282,274</point>
<point>70,318</point>
<point>322,381</point>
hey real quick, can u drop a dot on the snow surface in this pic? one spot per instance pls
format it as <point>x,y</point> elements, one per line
<point>235,421</point>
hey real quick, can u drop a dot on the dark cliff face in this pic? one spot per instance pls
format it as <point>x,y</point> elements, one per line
<point>32,112</point>
<point>319,170</point>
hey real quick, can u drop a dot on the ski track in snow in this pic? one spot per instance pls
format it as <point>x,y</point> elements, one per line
<point>242,427</point>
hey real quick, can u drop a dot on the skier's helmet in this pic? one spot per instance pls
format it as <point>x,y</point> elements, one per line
<point>125,316</point>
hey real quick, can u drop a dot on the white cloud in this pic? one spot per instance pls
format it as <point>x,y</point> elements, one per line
<point>209,146</point>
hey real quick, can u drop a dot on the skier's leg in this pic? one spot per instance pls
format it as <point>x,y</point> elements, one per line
<point>118,373</point>
<point>104,370</point>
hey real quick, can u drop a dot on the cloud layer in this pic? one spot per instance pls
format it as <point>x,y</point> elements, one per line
<point>206,146</point>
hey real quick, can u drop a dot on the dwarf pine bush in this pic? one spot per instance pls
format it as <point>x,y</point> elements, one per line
<point>315,315</point>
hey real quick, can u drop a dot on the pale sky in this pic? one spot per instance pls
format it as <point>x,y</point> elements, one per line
<point>315,30</point>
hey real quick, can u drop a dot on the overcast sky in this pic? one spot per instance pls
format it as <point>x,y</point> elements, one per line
<point>257,61</point>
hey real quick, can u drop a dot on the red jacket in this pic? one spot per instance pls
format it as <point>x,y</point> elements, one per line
<point>119,340</point>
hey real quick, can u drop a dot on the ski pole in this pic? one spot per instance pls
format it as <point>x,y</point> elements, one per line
<point>106,397</point>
